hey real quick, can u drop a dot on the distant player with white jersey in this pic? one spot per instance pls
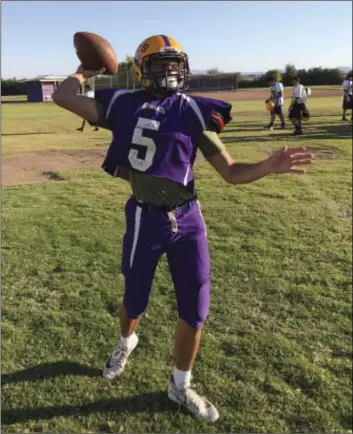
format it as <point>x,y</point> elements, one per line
<point>90,94</point>
<point>347,97</point>
<point>276,97</point>
<point>297,109</point>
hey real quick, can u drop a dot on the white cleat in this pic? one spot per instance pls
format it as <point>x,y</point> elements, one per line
<point>194,403</point>
<point>269,127</point>
<point>115,364</point>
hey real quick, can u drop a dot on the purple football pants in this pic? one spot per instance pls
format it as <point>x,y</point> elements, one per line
<point>181,234</point>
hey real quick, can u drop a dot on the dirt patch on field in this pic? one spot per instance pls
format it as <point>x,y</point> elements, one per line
<point>258,94</point>
<point>43,166</point>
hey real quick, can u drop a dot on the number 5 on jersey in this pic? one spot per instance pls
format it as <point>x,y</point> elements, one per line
<point>138,138</point>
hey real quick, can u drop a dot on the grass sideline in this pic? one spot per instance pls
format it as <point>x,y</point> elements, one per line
<point>276,351</point>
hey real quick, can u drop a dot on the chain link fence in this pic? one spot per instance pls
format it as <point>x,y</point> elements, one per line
<point>214,82</point>
<point>197,83</point>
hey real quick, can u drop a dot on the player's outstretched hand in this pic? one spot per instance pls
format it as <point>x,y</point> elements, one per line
<point>285,160</point>
<point>88,73</point>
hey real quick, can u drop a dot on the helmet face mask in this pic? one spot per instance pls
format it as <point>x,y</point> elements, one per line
<point>162,69</point>
<point>166,71</point>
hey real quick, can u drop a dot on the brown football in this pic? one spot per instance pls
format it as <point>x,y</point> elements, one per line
<point>95,52</point>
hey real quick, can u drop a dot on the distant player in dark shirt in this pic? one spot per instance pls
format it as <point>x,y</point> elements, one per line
<point>157,130</point>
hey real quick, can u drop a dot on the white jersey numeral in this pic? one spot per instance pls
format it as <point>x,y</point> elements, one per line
<point>138,138</point>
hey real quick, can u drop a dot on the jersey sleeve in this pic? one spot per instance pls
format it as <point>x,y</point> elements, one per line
<point>213,114</point>
<point>210,144</point>
<point>111,106</point>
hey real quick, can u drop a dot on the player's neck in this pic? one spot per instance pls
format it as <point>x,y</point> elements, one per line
<point>161,95</point>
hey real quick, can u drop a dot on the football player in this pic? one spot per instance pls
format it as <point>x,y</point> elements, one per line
<point>298,111</point>
<point>347,97</point>
<point>156,132</point>
<point>90,94</point>
<point>277,98</point>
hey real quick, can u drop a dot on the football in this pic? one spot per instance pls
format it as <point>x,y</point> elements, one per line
<point>95,52</point>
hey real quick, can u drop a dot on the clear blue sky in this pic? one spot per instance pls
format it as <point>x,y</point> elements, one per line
<point>233,36</point>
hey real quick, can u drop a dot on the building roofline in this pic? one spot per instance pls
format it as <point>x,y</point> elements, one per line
<point>45,78</point>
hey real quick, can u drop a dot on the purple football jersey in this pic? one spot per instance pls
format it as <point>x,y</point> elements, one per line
<point>156,137</point>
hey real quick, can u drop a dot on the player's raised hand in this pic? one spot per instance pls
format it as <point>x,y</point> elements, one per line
<point>286,160</point>
<point>87,73</point>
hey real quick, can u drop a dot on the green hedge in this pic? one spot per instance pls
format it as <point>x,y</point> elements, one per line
<point>12,86</point>
<point>310,77</point>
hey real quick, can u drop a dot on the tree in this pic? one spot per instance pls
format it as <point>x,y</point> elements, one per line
<point>273,74</point>
<point>290,69</point>
<point>213,71</point>
<point>12,86</point>
<point>289,73</point>
<point>126,68</point>
<point>127,64</point>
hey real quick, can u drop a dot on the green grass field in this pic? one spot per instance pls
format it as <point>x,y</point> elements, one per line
<point>276,354</point>
<point>13,98</point>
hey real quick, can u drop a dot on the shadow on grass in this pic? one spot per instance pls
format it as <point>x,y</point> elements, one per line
<point>50,370</point>
<point>321,131</point>
<point>154,402</point>
<point>14,101</point>
<point>151,402</point>
<point>329,132</point>
<point>250,127</point>
<point>263,138</point>
<point>53,176</point>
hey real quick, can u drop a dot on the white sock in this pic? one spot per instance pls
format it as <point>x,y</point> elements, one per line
<point>182,379</point>
<point>130,341</point>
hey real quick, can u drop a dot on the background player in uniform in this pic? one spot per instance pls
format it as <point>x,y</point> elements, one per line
<point>298,110</point>
<point>156,132</point>
<point>89,94</point>
<point>277,97</point>
<point>347,97</point>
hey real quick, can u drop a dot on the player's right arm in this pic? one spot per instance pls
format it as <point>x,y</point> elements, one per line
<point>66,96</point>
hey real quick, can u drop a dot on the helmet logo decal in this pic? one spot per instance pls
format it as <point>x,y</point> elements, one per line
<point>144,48</point>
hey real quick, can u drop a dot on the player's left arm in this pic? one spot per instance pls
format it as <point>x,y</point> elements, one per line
<point>284,160</point>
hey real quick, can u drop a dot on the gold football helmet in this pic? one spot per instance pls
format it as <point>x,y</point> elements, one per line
<point>161,65</point>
